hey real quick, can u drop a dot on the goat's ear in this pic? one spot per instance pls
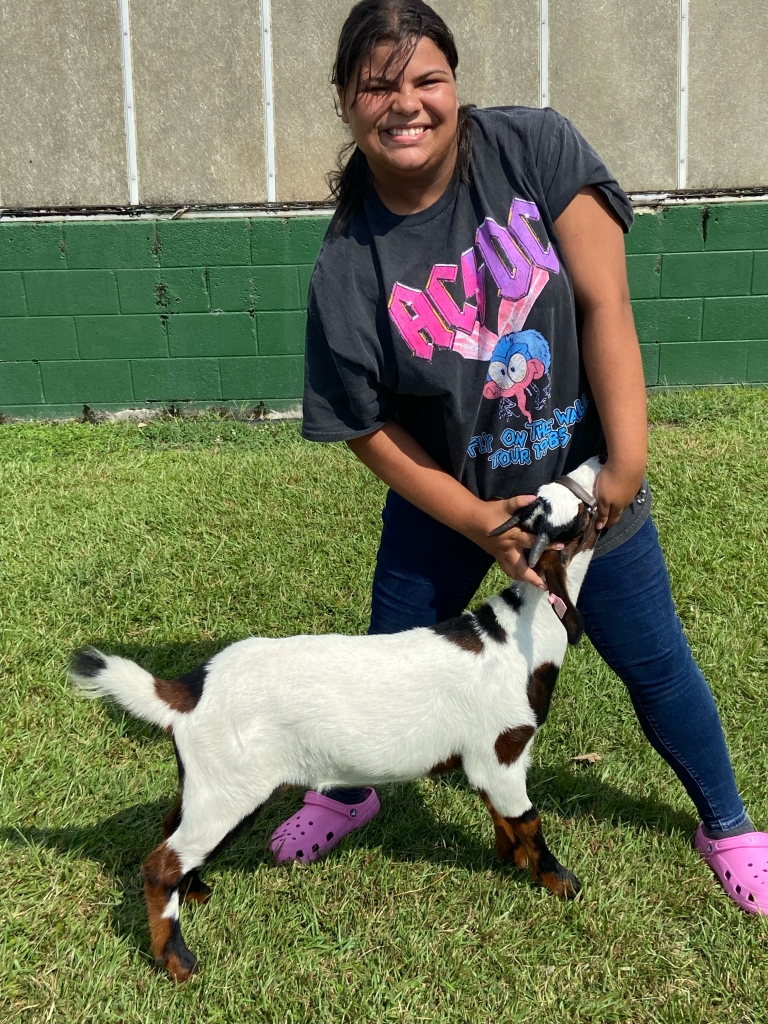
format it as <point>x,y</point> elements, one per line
<point>552,568</point>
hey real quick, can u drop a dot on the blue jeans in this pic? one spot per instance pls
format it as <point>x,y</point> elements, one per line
<point>427,573</point>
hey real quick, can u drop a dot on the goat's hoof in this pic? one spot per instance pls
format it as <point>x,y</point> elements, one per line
<point>180,965</point>
<point>562,883</point>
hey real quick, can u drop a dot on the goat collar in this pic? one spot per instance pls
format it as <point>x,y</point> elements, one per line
<point>578,490</point>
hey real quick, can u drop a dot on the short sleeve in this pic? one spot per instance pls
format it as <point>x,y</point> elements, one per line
<point>567,163</point>
<point>343,397</point>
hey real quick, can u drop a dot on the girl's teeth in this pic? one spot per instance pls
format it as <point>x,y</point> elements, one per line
<point>406,131</point>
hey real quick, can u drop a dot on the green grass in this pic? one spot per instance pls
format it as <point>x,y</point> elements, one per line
<point>164,543</point>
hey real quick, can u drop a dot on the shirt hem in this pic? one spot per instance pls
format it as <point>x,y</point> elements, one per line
<point>340,435</point>
<point>615,540</point>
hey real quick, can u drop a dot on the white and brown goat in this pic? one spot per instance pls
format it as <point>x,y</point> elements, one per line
<point>322,711</point>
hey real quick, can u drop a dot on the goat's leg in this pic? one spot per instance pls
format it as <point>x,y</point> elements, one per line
<point>191,887</point>
<point>508,847</point>
<point>163,873</point>
<point>518,826</point>
<point>545,868</point>
<point>208,818</point>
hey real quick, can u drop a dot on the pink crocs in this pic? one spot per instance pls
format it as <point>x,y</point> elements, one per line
<point>319,826</point>
<point>741,865</point>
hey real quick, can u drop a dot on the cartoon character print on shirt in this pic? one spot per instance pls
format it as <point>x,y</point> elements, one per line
<point>517,360</point>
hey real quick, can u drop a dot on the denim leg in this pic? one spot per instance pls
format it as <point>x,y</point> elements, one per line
<point>630,617</point>
<point>425,572</point>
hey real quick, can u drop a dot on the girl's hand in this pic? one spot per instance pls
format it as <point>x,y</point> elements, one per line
<point>508,548</point>
<point>615,488</point>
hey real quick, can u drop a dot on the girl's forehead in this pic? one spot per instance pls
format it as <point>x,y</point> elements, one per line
<point>384,61</point>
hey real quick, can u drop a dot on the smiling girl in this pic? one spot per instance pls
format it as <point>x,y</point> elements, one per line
<point>470,337</point>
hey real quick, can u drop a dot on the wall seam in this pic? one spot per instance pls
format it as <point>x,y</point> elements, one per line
<point>543,53</point>
<point>682,96</point>
<point>129,105</point>
<point>269,98</point>
<point>130,378</point>
<point>77,337</point>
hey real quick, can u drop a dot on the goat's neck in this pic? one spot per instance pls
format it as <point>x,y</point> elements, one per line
<point>577,571</point>
<point>535,604</point>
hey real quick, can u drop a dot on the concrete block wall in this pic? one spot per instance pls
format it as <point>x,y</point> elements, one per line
<point>699,286</point>
<point>126,313</point>
<point>117,314</point>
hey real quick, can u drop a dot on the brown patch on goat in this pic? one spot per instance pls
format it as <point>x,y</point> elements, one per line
<point>541,684</point>
<point>175,694</point>
<point>446,766</point>
<point>511,743</point>
<point>509,849</point>
<point>183,694</point>
<point>461,631</point>
<point>162,871</point>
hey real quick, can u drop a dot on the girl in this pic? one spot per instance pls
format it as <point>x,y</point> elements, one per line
<point>470,337</point>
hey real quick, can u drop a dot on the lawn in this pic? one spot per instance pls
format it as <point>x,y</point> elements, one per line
<point>167,541</point>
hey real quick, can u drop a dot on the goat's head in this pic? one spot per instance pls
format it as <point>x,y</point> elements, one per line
<point>564,512</point>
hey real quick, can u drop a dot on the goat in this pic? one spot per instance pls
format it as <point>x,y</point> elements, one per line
<point>321,711</point>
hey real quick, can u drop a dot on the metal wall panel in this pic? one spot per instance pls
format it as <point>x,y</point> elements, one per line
<point>728,116</point>
<point>62,125</point>
<point>200,113</point>
<point>199,101</point>
<point>613,71</point>
<point>498,43</point>
<point>308,133</point>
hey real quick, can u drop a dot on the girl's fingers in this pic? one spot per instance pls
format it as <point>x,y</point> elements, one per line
<point>518,569</point>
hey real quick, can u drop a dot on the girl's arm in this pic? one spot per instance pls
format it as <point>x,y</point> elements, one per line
<point>593,245</point>
<point>400,461</point>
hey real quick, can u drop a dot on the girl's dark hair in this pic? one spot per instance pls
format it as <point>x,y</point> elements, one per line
<point>402,23</point>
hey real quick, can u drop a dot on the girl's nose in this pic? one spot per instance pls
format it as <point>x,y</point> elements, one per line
<point>406,100</point>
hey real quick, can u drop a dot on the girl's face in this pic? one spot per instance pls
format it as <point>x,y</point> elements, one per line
<point>405,125</point>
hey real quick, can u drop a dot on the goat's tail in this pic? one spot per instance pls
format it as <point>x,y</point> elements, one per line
<point>132,687</point>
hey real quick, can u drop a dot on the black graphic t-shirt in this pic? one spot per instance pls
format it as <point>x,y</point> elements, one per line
<point>459,321</point>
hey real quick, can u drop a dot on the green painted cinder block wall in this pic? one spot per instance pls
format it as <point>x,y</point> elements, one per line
<point>119,313</point>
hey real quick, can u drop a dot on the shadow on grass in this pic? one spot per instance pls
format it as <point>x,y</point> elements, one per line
<point>405,830</point>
